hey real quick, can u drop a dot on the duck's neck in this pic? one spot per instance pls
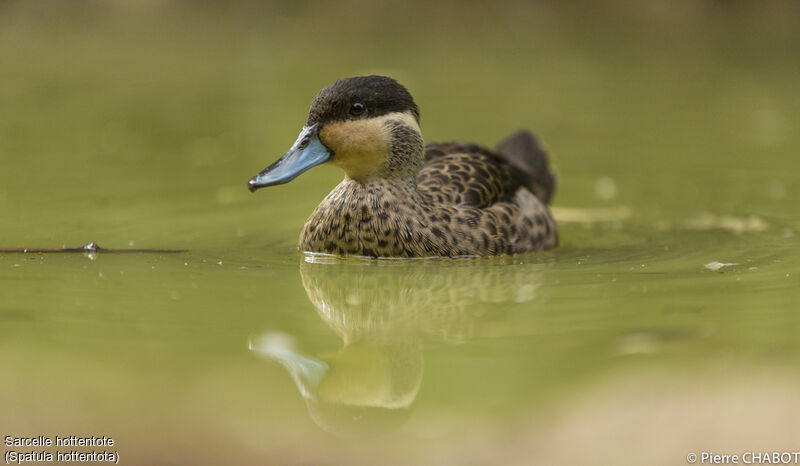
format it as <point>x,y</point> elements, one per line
<point>406,152</point>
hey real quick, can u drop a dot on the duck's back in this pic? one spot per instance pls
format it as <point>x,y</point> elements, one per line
<point>466,173</point>
<point>502,195</point>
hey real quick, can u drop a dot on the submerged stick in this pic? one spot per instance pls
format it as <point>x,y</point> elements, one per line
<point>90,248</point>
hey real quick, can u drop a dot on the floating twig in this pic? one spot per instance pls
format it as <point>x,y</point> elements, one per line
<point>89,248</point>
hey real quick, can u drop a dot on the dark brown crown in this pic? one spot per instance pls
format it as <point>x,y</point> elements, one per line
<point>380,95</point>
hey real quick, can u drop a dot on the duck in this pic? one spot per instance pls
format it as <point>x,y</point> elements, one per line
<point>403,197</point>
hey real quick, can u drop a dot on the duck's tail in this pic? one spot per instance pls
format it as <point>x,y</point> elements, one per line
<point>524,152</point>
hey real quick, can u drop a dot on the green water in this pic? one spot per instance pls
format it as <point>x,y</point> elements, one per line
<point>675,136</point>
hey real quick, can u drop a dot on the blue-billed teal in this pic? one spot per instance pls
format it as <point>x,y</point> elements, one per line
<point>402,197</point>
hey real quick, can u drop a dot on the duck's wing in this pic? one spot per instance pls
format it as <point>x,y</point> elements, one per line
<point>469,174</point>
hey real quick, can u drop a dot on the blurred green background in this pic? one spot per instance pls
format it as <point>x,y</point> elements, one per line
<point>673,127</point>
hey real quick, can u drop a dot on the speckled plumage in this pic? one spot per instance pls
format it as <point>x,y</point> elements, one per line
<point>422,200</point>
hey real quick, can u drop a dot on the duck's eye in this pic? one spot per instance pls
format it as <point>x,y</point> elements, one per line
<point>358,109</point>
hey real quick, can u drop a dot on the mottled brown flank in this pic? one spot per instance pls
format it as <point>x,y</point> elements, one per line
<point>466,200</point>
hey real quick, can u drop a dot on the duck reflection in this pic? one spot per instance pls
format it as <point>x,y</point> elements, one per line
<point>385,313</point>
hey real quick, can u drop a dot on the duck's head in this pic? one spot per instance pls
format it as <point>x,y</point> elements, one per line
<point>368,126</point>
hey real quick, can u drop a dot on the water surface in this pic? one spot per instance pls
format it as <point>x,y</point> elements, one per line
<point>675,139</point>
